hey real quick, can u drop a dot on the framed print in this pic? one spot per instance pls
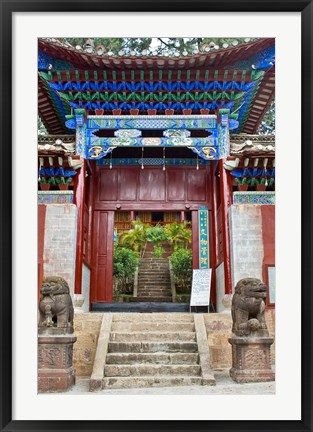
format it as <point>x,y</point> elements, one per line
<point>139,140</point>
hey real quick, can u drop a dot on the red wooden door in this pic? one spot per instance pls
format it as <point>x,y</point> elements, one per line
<point>102,272</point>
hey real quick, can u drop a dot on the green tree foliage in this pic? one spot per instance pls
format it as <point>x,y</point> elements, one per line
<point>156,234</point>
<point>267,126</point>
<point>136,238</point>
<point>125,262</point>
<point>179,234</point>
<point>154,46</point>
<point>181,261</point>
<point>41,127</point>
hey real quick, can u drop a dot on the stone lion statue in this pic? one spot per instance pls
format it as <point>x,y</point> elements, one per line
<point>56,307</point>
<point>248,306</point>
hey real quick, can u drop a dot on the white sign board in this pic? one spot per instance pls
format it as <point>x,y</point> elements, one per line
<point>201,286</point>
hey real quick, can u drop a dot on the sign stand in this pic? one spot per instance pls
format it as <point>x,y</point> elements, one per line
<point>200,290</point>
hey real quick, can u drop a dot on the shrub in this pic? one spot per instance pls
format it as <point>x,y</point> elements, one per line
<point>125,263</point>
<point>181,261</point>
<point>156,234</point>
<point>158,251</point>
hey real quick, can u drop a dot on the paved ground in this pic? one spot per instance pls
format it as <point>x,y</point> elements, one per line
<point>224,385</point>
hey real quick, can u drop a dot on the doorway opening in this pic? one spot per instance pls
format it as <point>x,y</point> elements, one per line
<point>147,242</point>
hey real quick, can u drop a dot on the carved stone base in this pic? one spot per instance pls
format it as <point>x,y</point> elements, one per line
<point>55,363</point>
<point>251,359</point>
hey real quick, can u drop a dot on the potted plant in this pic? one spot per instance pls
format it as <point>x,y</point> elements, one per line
<point>134,111</point>
<point>64,183</point>
<point>187,111</point>
<point>254,182</point>
<point>205,111</point>
<point>152,111</point>
<point>169,111</point>
<point>52,181</point>
<point>99,111</point>
<point>117,112</point>
<point>243,183</point>
<point>262,184</point>
<point>43,184</point>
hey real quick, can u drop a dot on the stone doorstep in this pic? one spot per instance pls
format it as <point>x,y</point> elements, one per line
<point>151,369</point>
<point>152,299</point>
<point>139,382</point>
<point>152,336</point>
<point>167,317</point>
<point>152,347</point>
<point>154,358</point>
<point>148,326</point>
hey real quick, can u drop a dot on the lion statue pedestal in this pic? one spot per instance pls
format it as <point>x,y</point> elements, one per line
<point>55,337</point>
<point>251,344</point>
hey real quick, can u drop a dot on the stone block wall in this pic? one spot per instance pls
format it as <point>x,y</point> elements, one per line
<point>60,242</point>
<point>218,328</point>
<point>247,250</point>
<point>87,329</point>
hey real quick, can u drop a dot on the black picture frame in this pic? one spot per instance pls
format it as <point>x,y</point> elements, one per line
<point>7,9</point>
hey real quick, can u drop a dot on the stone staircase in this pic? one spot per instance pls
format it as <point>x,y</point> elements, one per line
<point>159,350</point>
<point>154,282</point>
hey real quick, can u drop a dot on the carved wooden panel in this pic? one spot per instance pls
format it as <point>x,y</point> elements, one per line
<point>127,185</point>
<point>152,185</point>
<point>196,185</point>
<point>176,185</point>
<point>108,185</point>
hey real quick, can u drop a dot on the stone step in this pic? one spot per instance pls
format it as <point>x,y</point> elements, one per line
<point>152,347</point>
<point>152,358</point>
<point>153,267</point>
<point>151,299</point>
<point>154,277</point>
<point>160,381</point>
<point>154,290</point>
<point>160,260</point>
<point>154,281</point>
<point>152,336</point>
<point>152,326</point>
<point>142,307</point>
<point>155,293</point>
<point>156,287</point>
<point>135,317</point>
<point>154,370</point>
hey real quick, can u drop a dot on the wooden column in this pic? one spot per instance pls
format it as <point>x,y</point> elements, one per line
<point>182,216</point>
<point>213,230</point>
<point>226,201</point>
<point>79,200</point>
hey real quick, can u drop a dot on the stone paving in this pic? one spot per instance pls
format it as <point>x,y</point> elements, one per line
<point>224,386</point>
